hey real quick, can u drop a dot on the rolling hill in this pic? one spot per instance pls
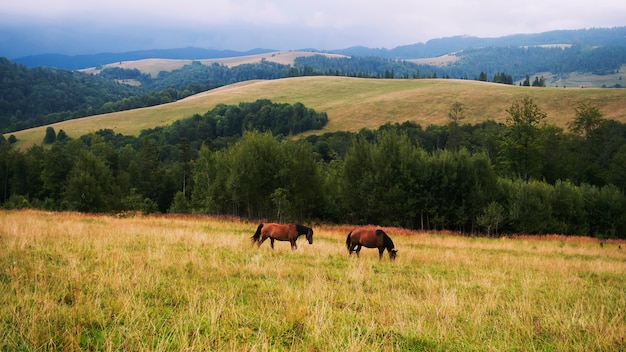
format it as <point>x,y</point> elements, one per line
<point>355,103</point>
<point>76,62</point>
<point>153,66</point>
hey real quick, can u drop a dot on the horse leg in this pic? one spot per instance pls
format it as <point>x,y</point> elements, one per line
<point>294,246</point>
<point>351,248</point>
<point>272,242</point>
<point>380,253</point>
<point>358,250</point>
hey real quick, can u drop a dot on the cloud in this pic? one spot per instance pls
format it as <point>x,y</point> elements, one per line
<point>78,26</point>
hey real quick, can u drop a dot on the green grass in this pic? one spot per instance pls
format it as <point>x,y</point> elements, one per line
<point>82,282</point>
<point>353,104</point>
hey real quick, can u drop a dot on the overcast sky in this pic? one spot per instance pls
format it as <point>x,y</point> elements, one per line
<point>91,26</point>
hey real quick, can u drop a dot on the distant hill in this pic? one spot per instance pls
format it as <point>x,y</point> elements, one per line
<point>153,66</point>
<point>438,47</point>
<point>354,103</point>
<point>432,48</point>
<point>76,62</point>
<point>53,91</point>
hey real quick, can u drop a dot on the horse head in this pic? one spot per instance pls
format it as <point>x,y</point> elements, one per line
<point>304,230</point>
<point>392,254</point>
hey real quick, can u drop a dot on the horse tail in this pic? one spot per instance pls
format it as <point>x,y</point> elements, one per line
<point>257,235</point>
<point>348,240</point>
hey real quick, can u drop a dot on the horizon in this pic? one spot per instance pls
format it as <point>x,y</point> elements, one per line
<point>251,51</point>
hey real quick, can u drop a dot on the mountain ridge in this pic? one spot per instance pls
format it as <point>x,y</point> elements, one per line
<point>76,62</point>
<point>615,36</point>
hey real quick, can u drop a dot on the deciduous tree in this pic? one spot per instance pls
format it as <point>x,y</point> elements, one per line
<point>523,143</point>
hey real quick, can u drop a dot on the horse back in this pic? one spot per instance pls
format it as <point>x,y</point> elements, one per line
<point>281,232</point>
<point>367,237</point>
<point>274,228</point>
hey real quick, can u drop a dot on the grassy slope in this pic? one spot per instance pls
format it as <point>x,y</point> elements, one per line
<point>154,66</point>
<point>353,103</point>
<point>86,282</point>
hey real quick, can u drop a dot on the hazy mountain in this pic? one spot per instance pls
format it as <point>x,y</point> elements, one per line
<point>76,62</point>
<point>432,48</point>
<point>437,47</point>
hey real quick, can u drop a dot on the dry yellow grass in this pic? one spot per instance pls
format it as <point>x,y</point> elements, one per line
<point>72,281</point>
<point>442,60</point>
<point>353,103</point>
<point>154,66</point>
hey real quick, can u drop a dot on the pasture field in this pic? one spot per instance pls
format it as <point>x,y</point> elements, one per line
<point>154,66</point>
<point>356,103</point>
<point>71,281</point>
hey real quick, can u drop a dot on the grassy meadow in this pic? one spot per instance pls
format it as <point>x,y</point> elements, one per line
<point>154,66</point>
<point>71,281</point>
<point>355,103</point>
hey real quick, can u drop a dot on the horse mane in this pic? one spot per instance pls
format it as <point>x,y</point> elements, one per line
<point>257,235</point>
<point>301,229</point>
<point>386,240</point>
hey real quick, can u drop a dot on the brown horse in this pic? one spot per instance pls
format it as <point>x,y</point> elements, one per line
<point>281,232</point>
<point>370,239</point>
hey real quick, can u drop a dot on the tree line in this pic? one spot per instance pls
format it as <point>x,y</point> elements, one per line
<point>521,176</point>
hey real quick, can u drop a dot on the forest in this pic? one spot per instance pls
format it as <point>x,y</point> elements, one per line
<point>522,176</point>
<point>31,97</point>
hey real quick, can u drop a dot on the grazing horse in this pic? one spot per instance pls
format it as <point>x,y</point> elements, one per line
<point>281,232</point>
<point>370,239</point>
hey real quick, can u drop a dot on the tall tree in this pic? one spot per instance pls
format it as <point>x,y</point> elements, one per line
<point>300,180</point>
<point>149,177</point>
<point>455,114</point>
<point>586,124</point>
<point>523,143</point>
<point>50,136</point>
<point>57,165</point>
<point>588,119</point>
<point>186,166</point>
<point>255,166</point>
<point>89,185</point>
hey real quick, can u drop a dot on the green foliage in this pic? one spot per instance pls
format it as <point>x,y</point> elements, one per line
<point>180,205</point>
<point>226,123</point>
<point>37,96</point>
<point>197,74</point>
<point>16,202</point>
<point>148,176</point>
<point>524,145</point>
<point>588,119</point>
<point>371,67</point>
<point>398,175</point>
<point>491,217</point>
<point>50,136</point>
<point>503,78</point>
<point>258,177</point>
<point>89,185</point>
<point>31,97</point>
<point>539,82</point>
<point>519,61</point>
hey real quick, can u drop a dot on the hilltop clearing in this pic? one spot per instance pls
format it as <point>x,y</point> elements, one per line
<point>354,103</point>
<point>154,66</point>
